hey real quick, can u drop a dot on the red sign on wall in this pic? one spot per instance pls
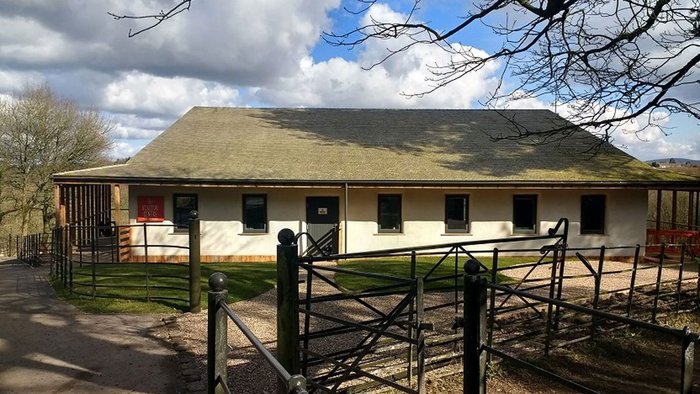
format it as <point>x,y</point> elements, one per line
<point>150,209</point>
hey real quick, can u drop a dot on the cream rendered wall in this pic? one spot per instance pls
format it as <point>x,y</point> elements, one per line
<point>221,214</point>
<point>491,212</point>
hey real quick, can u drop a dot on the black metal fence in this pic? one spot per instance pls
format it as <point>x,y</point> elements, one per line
<point>390,334</point>
<point>88,261</point>
<point>33,249</point>
<point>476,346</point>
<point>217,344</point>
<point>381,332</point>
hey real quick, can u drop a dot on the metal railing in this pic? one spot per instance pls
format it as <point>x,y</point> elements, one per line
<point>91,266</point>
<point>476,347</point>
<point>33,249</point>
<point>217,344</point>
<point>397,331</point>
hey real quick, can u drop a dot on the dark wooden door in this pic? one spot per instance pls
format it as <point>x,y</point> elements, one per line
<point>322,219</point>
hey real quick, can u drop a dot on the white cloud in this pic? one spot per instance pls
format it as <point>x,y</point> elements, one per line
<point>141,93</point>
<point>342,83</point>
<point>121,149</point>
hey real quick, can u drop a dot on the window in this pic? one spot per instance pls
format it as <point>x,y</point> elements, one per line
<point>593,214</point>
<point>183,204</point>
<point>389,213</point>
<point>524,213</point>
<point>456,213</point>
<point>254,213</point>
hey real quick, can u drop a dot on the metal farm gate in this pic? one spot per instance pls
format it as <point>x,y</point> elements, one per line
<point>393,331</point>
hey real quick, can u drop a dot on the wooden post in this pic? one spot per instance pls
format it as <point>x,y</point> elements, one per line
<point>659,194</point>
<point>57,203</point>
<point>217,329</point>
<point>195,267</point>
<point>474,329</point>
<point>674,209</point>
<point>690,210</point>
<point>117,204</point>
<point>287,300</point>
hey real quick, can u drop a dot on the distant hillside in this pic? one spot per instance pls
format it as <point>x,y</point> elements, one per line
<point>679,161</point>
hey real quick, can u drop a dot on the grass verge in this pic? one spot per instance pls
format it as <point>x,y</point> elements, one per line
<point>122,288</point>
<point>401,267</point>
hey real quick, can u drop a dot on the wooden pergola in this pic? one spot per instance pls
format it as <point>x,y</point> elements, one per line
<point>88,207</point>
<point>675,232</point>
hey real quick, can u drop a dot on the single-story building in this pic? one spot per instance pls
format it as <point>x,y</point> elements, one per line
<point>384,178</point>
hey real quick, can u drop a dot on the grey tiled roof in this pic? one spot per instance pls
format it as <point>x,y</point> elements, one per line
<point>360,145</point>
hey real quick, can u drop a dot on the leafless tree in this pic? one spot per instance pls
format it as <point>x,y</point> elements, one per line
<point>41,134</point>
<point>154,19</point>
<point>608,61</point>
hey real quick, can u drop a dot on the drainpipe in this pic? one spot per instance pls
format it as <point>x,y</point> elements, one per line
<point>345,233</point>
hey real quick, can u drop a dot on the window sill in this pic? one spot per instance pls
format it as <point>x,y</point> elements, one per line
<point>523,233</point>
<point>452,234</point>
<point>389,233</point>
<point>593,234</point>
<point>254,233</point>
<point>180,232</point>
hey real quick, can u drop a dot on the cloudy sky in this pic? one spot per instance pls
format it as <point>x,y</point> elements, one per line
<point>260,53</point>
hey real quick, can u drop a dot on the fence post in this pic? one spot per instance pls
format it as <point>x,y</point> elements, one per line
<point>492,307</point>
<point>411,311</point>
<point>658,283</point>
<point>596,296</point>
<point>680,278</point>
<point>217,329</point>
<point>550,307</point>
<point>195,263</point>
<point>287,300</point>
<point>632,280</point>
<point>687,361</point>
<point>474,329</point>
<point>69,257</point>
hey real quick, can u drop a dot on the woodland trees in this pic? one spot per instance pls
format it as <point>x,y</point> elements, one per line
<point>42,134</point>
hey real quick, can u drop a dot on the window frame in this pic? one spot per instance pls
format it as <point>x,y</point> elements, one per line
<point>247,230</point>
<point>600,231</point>
<point>400,214</point>
<point>533,229</point>
<point>177,225</point>
<point>467,224</point>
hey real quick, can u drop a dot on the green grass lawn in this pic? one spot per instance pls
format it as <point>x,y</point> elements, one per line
<point>401,267</point>
<point>168,286</point>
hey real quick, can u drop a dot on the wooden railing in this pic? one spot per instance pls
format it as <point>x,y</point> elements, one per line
<point>673,239</point>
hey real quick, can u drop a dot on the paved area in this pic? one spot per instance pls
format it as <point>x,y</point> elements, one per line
<point>48,346</point>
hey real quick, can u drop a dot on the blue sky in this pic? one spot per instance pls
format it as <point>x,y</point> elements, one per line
<point>246,53</point>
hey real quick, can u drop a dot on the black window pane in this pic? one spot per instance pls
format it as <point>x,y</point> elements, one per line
<point>524,213</point>
<point>592,214</point>
<point>183,204</point>
<point>389,217</point>
<point>457,213</point>
<point>254,213</point>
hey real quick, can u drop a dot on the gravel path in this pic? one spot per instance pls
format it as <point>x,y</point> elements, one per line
<point>248,373</point>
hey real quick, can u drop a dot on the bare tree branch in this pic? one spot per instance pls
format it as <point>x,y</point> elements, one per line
<point>157,19</point>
